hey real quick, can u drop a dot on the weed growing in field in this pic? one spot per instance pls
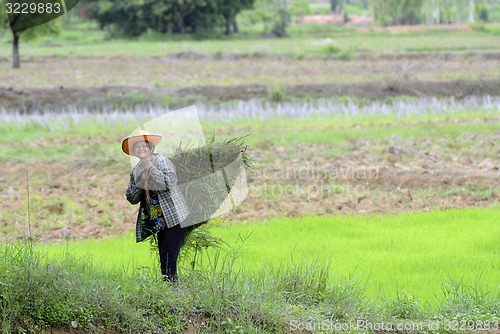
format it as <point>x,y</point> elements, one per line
<point>475,190</point>
<point>311,290</point>
<point>333,50</point>
<point>396,79</point>
<point>196,243</point>
<point>469,300</point>
<point>479,190</point>
<point>276,94</point>
<point>404,306</point>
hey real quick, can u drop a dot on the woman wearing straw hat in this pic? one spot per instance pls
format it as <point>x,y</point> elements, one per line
<point>153,184</point>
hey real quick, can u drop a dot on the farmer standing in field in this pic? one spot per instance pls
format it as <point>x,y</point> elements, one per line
<point>153,184</point>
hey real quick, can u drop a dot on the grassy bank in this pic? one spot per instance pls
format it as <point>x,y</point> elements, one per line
<point>346,42</point>
<point>423,267</point>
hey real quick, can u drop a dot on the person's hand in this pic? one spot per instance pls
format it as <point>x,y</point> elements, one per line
<point>145,164</point>
<point>144,167</point>
<point>142,180</point>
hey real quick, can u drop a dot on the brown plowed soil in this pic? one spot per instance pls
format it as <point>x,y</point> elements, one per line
<point>29,100</point>
<point>80,199</point>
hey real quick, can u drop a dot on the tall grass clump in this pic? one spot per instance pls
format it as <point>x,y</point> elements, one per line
<point>231,299</point>
<point>309,285</point>
<point>469,300</point>
<point>38,293</point>
<point>404,306</point>
<point>276,94</point>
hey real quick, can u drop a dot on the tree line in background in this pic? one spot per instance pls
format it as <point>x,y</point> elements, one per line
<point>130,18</point>
<point>403,12</point>
<point>135,17</point>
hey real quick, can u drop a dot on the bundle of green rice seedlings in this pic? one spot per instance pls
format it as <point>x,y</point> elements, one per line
<point>207,174</point>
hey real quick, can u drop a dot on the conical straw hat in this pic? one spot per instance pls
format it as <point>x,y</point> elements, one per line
<point>138,136</point>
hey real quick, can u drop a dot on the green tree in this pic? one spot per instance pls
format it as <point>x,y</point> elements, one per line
<point>397,12</point>
<point>4,20</point>
<point>196,16</point>
<point>336,6</point>
<point>122,16</point>
<point>229,9</point>
<point>300,8</point>
<point>135,17</point>
<point>274,14</point>
<point>457,11</point>
<point>49,28</point>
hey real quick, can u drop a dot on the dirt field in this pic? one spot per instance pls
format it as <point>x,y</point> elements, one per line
<point>74,200</point>
<point>29,100</point>
<point>86,199</point>
<point>127,81</point>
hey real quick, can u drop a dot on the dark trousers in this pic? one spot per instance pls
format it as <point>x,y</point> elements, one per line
<point>169,246</point>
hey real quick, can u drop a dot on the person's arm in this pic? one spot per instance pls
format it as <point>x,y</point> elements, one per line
<point>133,192</point>
<point>163,173</point>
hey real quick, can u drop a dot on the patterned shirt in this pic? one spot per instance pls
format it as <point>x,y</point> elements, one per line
<point>151,216</point>
<point>173,205</point>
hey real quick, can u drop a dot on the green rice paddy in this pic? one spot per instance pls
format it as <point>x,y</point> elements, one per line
<point>418,253</point>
